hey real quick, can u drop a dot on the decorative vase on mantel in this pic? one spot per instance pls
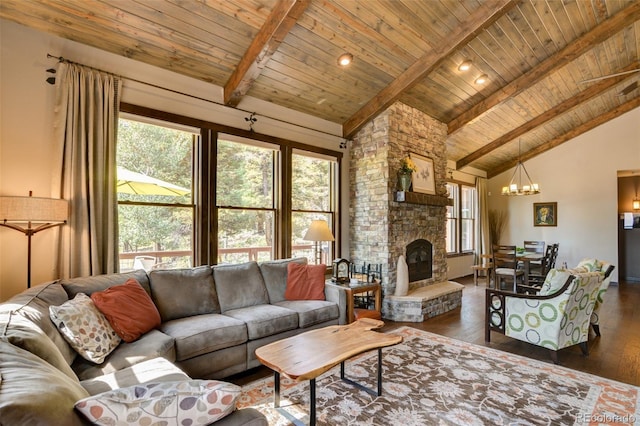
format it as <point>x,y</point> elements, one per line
<point>404,181</point>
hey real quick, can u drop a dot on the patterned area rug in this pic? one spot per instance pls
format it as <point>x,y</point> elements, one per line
<point>430,379</point>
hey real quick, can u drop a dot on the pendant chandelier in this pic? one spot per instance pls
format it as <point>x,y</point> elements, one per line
<point>516,184</point>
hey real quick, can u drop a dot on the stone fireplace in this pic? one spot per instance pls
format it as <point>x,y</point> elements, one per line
<point>381,228</point>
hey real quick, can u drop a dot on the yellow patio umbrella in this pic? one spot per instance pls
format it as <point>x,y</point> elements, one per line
<point>136,183</point>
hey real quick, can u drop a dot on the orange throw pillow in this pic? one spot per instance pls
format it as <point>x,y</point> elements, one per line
<point>305,282</point>
<point>128,308</point>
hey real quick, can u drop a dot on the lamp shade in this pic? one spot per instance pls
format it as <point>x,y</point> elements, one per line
<point>636,204</point>
<point>318,231</point>
<point>33,209</point>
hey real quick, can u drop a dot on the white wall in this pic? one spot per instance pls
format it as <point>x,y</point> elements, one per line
<point>581,176</point>
<point>26,127</point>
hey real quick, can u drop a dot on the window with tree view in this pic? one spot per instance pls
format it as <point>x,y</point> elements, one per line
<point>245,193</point>
<point>312,197</point>
<point>154,190</point>
<point>461,218</point>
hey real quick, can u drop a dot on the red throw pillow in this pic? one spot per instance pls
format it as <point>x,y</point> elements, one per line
<point>305,282</point>
<point>128,308</point>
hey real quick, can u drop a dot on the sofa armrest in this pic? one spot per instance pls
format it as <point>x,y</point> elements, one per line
<point>338,294</point>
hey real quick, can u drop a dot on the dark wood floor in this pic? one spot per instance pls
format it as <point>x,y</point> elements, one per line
<point>614,355</point>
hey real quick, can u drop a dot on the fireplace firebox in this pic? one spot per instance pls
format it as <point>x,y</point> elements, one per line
<point>420,260</point>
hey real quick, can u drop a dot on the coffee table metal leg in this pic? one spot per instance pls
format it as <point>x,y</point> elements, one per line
<point>364,388</point>
<point>276,389</point>
<point>312,402</point>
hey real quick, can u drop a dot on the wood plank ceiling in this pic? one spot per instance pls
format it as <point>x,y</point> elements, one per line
<point>536,55</point>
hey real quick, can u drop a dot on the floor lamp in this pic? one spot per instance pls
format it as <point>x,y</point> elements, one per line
<point>38,213</point>
<point>318,231</point>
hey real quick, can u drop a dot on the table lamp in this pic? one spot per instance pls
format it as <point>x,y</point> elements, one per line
<point>318,231</point>
<point>46,212</point>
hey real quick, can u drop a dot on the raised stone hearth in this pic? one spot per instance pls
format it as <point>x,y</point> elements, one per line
<point>423,302</point>
<point>382,225</point>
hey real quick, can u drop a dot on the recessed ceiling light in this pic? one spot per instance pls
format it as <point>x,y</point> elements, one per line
<point>465,66</point>
<point>482,79</point>
<point>345,59</point>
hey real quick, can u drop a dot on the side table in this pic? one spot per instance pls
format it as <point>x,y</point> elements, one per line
<point>361,287</point>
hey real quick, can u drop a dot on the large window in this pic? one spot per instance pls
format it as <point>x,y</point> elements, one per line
<point>201,193</point>
<point>312,197</point>
<point>155,202</point>
<point>246,203</point>
<point>461,218</point>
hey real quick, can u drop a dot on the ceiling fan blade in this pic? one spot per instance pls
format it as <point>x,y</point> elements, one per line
<point>630,88</point>
<point>609,76</point>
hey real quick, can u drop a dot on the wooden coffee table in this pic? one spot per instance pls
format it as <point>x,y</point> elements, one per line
<point>309,354</point>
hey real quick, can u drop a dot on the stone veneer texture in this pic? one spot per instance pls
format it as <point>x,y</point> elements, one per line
<point>380,227</point>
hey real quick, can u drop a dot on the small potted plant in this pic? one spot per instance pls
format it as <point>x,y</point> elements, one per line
<point>407,167</point>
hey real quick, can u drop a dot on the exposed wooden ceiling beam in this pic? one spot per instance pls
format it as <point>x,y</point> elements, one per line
<point>589,93</point>
<point>278,24</point>
<point>599,34</point>
<point>585,127</point>
<point>481,18</point>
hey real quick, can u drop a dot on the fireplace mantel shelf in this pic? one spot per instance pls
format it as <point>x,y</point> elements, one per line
<point>419,198</point>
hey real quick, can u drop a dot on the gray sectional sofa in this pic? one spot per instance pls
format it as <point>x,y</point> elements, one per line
<point>213,319</point>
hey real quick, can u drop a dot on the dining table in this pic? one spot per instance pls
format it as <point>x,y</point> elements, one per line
<point>526,258</point>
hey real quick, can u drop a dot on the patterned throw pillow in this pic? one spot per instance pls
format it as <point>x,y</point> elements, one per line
<point>554,281</point>
<point>85,328</point>
<point>191,402</point>
<point>592,265</point>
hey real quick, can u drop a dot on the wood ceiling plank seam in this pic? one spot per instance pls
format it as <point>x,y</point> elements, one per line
<point>404,21</point>
<point>277,26</point>
<point>56,22</point>
<point>185,30</point>
<point>560,24</point>
<point>632,41</point>
<point>142,30</point>
<point>498,66</point>
<point>573,19</point>
<point>600,10</point>
<point>589,19</point>
<point>483,17</point>
<point>359,23</point>
<point>252,13</point>
<point>519,61</point>
<point>203,25</point>
<point>602,32</point>
<point>373,55</point>
<point>438,85</point>
<point>536,32</point>
<point>573,133</point>
<point>525,48</point>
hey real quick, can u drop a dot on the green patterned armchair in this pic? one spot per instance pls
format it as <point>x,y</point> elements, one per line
<point>555,318</point>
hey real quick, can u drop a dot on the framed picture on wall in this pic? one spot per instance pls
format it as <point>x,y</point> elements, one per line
<point>423,179</point>
<point>545,214</point>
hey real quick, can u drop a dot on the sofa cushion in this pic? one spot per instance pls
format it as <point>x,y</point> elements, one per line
<point>311,312</point>
<point>274,274</point>
<point>305,282</point>
<point>265,320</point>
<point>239,286</point>
<point>85,328</point>
<point>89,285</point>
<point>128,308</point>
<point>202,334</point>
<point>25,334</point>
<point>153,370</point>
<point>34,303</point>
<point>33,392</point>
<point>185,402</point>
<point>151,345</point>
<point>180,293</point>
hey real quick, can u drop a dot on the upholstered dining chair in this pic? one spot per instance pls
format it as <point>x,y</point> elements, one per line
<point>505,266</point>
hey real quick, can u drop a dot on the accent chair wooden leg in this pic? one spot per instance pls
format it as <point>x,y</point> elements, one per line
<point>596,329</point>
<point>584,348</point>
<point>554,356</point>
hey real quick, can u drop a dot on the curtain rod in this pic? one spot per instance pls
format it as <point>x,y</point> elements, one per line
<point>65,60</point>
